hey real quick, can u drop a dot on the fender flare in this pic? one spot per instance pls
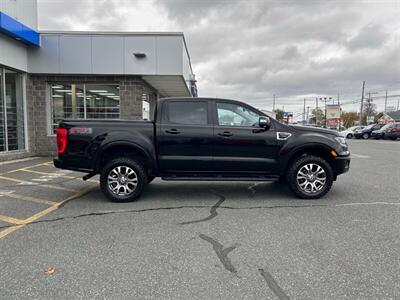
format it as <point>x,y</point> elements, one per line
<point>150,157</point>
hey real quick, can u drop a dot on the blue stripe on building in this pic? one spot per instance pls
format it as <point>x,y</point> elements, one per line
<point>18,31</point>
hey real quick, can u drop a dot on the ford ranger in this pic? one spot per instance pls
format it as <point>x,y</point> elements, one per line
<point>201,139</point>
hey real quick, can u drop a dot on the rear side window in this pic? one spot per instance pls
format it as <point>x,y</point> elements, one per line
<point>188,113</point>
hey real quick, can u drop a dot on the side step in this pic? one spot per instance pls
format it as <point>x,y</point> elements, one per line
<point>218,178</point>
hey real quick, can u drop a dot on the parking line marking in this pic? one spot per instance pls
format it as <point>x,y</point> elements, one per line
<point>34,183</point>
<point>44,173</point>
<point>43,213</point>
<point>9,230</point>
<point>27,198</point>
<point>368,203</point>
<point>16,170</point>
<point>358,155</point>
<point>11,220</point>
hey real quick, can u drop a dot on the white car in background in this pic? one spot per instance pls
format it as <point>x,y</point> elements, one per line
<point>349,132</point>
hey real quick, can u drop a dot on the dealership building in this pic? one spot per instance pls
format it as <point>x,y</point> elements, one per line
<point>46,77</point>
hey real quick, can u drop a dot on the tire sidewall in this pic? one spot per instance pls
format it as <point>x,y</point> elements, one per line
<point>292,177</point>
<point>135,166</point>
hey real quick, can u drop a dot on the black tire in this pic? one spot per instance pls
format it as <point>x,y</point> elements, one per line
<point>150,178</point>
<point>301,162</point>
<point>393,138</point>
<point>123,162</point>
<point>365,136</point>
<point>349,136</point>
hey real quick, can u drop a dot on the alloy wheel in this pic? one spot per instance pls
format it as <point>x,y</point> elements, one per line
<point>122,181</point>
<point>311,178</point>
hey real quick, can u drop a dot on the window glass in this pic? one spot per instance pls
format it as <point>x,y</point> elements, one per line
<point>2,126</point>
<point>236,115</point>
<point>102,101</point>
<point>14,110</point>
<point>190,113</point>
<point>84,101</point>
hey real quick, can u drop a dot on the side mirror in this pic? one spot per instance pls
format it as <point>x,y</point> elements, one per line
<point>264,122</point>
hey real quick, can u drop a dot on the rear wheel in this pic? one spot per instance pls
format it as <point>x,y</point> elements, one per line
<point>349,136</point>
<point>123,179</point>
<point>310,177</point>
<point>365,136</point>
<point>393,138</point>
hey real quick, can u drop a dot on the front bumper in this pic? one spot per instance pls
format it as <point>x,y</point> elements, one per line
<point>342,164</point>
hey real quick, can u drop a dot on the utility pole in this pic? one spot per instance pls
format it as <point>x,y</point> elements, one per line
<point>398,102</point>
<point>273,104</point>
<point>304,111</point>
<point>362,102</point>
<point>369,107</point>
<point>385,101</point>
<point>308,112</point>
<point>338,99</point>
<point>316,111</point>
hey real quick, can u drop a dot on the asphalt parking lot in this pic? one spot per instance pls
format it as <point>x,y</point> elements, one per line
<point>60,238</point>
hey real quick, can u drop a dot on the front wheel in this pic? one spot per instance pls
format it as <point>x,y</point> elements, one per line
<point>349,136</point>
<point>123,179</point>
<point>365,136</point>
<point>310,177</point>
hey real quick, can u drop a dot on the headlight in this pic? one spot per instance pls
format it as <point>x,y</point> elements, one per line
<point>341,140</point>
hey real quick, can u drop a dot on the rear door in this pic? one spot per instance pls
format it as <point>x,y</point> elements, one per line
<point>184,136</point>
<point>240,145</point>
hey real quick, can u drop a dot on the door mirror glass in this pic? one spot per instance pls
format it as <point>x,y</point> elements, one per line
<point>264,122</point>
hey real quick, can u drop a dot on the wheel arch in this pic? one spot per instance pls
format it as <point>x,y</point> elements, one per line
<point>126,149</point>
<point>322,151</point>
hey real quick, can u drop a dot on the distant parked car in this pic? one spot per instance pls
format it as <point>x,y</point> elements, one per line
<point>381,133</point>
<point>349,132</point>
<point>366,132</point>
<point>393,132</point>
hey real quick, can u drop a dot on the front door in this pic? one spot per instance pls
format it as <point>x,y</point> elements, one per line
<point>240,145</point>
<point>184,137</point>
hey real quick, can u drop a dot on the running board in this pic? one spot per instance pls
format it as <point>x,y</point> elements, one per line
<point>219,178</point>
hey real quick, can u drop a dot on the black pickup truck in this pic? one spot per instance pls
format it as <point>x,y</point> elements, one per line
<point>201,139</point>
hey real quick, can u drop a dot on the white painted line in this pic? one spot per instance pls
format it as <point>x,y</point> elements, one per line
<point>18,160</point>
<point>353,155</point>
<point>369,203</point>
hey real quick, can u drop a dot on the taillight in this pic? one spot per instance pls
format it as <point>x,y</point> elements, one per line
<point>62,140</point>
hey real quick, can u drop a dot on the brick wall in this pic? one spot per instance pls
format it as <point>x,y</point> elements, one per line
<point>38,112</point>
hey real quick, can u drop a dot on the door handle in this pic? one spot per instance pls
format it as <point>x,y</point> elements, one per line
<point>173,131</point>
<point>225,133</point>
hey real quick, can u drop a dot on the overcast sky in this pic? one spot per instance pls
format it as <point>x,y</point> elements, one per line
<point>250,50</point>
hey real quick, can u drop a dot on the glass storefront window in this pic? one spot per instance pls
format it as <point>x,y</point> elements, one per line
<point>12,135</point>
<point>2,121</point>
<point>84,101</point>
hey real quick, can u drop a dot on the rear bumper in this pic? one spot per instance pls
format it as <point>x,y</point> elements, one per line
<point>377,135</point>
<point>60,164</point>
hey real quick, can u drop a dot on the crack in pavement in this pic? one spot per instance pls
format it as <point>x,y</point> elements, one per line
<point>221,252</point>
<point>273,285</point>
<point>213,211</point>
<point>102,213</point>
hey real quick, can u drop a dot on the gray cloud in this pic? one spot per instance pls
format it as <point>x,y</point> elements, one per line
<point>370,36</point>
<point>252,49</point>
